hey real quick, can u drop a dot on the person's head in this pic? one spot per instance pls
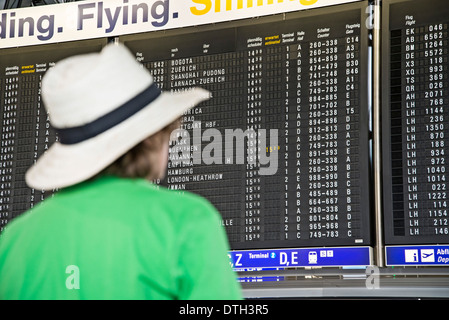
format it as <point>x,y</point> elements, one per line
<point>109,116</point>
<point>148,159</point>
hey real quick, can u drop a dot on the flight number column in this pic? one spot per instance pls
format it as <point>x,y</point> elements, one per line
<point>436,103</point>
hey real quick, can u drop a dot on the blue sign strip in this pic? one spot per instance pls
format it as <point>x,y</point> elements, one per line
<point>417,255</point>
<point>303,257</point>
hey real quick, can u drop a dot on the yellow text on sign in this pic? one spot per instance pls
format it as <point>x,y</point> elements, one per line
<point>206,5</point>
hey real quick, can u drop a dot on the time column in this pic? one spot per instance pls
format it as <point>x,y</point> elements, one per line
<point>253,221</point>
<point>9,114</point>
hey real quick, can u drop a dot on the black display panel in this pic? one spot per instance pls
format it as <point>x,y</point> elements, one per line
<point>304,75</point>
<point>415,121</point>
<point>25,127</point>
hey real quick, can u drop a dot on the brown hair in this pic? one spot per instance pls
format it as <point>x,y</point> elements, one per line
<point>141,160</point>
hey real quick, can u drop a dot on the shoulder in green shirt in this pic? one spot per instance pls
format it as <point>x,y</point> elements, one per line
<point>115,238</point>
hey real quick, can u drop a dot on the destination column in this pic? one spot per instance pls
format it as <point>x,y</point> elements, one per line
<point>216,175</point>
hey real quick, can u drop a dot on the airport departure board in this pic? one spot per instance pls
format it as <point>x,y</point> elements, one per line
<point>415,121</point>
<point>303,76</point>
<point>25,127</point>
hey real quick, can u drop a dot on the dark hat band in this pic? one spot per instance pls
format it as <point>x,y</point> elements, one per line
<point>82,133</point>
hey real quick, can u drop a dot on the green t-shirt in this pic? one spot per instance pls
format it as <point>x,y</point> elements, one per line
<point>115,238</point>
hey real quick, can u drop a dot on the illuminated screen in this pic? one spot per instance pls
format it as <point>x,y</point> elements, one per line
<point>25,126</point>
<point>415,127</point>
<point>282,148</point>
<point>293,84</point>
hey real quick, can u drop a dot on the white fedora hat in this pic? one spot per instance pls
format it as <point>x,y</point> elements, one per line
<point>101,105</point>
